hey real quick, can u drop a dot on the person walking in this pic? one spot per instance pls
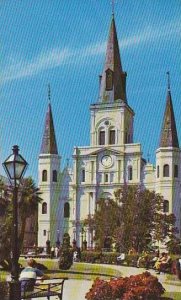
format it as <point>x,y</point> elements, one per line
<point>52,252</point>
<point>56,252</point>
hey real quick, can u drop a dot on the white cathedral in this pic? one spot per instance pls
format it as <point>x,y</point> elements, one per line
<point>113,158</point>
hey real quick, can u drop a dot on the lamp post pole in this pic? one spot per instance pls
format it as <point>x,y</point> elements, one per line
<point>15,166</point>
<point>15,246</point>
<point>48,242</point>
<point>82,236</point>
<point>58,239</point>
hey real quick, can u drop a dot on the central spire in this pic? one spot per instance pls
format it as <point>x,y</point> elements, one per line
<point>113,79</point>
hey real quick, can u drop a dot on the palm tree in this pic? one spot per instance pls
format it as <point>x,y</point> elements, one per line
<point>5,225</point>
<point>28,200</point>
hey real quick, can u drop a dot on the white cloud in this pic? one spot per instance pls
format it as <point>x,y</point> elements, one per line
<point>26,68</point>
<point>22,68</point>
<point>150,35</point>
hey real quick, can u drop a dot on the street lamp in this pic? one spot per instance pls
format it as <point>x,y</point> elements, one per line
<point>15,166</point>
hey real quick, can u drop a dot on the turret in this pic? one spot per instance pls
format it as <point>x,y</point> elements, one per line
<point>168,160</point>
<point>49,168</point>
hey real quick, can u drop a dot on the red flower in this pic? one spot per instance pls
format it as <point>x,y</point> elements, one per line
<point>139,287</point>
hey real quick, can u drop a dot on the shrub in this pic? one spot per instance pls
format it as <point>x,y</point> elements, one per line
<point>131,259</point>
<point>90,256</point>
<point>118,287</point>
<point>100,290</point>
<point>100,257</point>
<point>143,286</point>
<point>65,259</point>
<point>66,254</point>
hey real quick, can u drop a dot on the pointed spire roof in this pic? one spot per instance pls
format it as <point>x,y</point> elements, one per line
<point>169,137</point>
<point>113,79</point>
<point>49,144</point>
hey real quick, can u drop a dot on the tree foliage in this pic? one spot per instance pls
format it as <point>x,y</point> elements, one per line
<point>106,219</point>
<point>28,199</point>
<point>135,218</point>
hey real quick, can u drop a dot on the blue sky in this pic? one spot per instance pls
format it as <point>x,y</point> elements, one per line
<point>63,42</point>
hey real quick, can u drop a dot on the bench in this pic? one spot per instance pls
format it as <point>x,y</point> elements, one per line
<point>46,289</point>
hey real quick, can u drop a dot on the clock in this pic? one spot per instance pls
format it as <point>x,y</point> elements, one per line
<point>106,161</point>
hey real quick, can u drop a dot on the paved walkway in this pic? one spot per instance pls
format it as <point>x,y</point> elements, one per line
<point>173,285</point>
<point>76,289</point>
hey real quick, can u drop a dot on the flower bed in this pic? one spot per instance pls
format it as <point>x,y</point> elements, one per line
<point>143,286</point>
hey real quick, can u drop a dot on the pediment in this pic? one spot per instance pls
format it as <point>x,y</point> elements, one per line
<point>106,150</point>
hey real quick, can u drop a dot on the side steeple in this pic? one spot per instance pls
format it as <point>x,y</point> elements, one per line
<point>169,137</point>
<point>113,79</point>
<point>49,144</point>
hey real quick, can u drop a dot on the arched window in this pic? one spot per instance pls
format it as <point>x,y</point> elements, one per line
<point>175,170</point>
<point>44,175</point>
<point>101,137</point>
<point>83,175</point>
<point>130,173</point>
<point>165,206</point>
<point>109,80</point>
<point>158,171</point>
<point>44,232</point>
<point>54,176</point>
<point>44,208</point>
<point>112,137</point>
<point>66,210</point>
<point>106,177</point>
<point>166,171</point>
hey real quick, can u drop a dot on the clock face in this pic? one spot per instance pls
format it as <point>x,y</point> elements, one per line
<point>106,161</point>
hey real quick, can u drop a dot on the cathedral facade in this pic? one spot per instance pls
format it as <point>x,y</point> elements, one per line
<point>111,160</point>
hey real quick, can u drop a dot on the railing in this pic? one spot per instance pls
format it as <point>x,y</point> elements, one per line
<point>46,289</point>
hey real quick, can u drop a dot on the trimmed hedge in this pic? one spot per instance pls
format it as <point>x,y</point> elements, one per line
<point>111,258</point>
<point>107,258</point>
<point>99,257</point>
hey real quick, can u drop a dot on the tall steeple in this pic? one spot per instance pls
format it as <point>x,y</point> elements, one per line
<point>113,79</point>
<point>49,144</point>
<point>169,136</point>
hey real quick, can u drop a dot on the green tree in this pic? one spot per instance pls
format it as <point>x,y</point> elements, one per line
<point>28,199</point>
<point>105,220</point>
<point>135,218</point>
<point>5,225</point>
<point>142,219</point>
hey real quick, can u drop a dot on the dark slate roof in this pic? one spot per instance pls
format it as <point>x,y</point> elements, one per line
<point>49,145</point>
<point>169,136</point>
<point>113,62</point>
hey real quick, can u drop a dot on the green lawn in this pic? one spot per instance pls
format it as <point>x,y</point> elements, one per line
<point>174,296</point>
<point>85,271</point>
<point>78,270</point>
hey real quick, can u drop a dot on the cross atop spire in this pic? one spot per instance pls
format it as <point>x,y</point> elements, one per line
<point>112,7</point>
<point>49,93</point>
<point>168,74</point>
